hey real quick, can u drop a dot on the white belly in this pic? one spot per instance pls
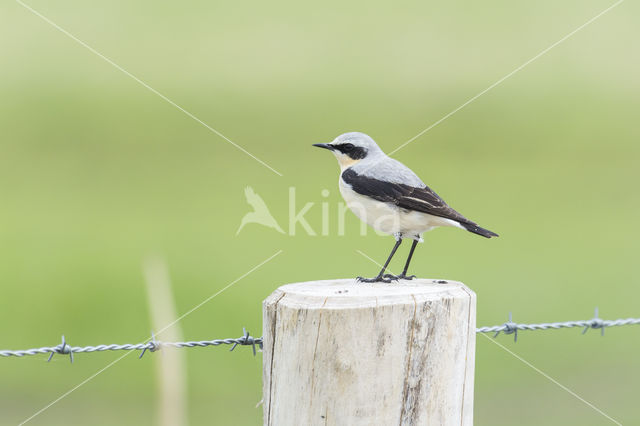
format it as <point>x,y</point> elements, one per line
<point>390,219</point>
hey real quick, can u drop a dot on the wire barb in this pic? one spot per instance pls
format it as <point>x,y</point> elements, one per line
<point>596,322</point>
<point>510,327</point>
<point>247,340</point>
<point>62,348</point>
<point>152,345</point>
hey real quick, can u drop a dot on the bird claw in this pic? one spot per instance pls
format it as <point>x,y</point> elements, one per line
<point>399,277</point>
<point>378,279</point>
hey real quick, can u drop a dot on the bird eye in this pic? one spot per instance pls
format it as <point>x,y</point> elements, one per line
<point>347,146</point>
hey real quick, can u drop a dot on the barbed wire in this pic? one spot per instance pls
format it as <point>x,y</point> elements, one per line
<point>152,345</point>
<point>511,327</point>
<point>246,339</point>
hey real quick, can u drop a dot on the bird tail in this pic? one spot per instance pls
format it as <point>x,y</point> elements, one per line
<point>472,227</point>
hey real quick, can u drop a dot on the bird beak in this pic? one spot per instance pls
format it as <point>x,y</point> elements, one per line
<point>325,146</point>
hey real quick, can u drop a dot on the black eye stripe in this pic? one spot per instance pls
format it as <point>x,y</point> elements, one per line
<point>344,148</point>
<point>352,151</point>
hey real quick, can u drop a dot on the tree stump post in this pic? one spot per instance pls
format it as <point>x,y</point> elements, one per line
<point>338,352</point>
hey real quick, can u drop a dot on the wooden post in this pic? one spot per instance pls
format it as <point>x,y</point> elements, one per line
<point>339,352</point>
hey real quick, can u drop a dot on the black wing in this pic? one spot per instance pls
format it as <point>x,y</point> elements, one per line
<point>408,197</point>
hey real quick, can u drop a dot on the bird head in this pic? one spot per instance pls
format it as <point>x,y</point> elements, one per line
<point>351,148</point>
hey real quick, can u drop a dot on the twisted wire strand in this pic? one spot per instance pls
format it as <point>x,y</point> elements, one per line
<point>558,325</point>
<point>246,339</point>
<point>511,327</point>
<point>153,345</point>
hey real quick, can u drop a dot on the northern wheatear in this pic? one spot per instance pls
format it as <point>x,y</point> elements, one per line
<point>388,196</point>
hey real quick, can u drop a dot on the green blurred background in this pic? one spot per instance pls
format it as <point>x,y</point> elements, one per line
<point>97,173</point>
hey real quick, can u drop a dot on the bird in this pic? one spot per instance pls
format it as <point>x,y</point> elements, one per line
<point>390,197</point>
<point>260,213</point>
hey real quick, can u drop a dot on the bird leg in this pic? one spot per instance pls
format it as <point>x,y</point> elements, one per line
<point>403,275</point>
<point>381,276</point>
<point>406,266</point>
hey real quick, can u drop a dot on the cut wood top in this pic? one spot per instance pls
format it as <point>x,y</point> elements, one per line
<point>347,293</point>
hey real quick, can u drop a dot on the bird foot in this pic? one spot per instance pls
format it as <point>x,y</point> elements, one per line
<point>399,277</point>
<point>378,279</point>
